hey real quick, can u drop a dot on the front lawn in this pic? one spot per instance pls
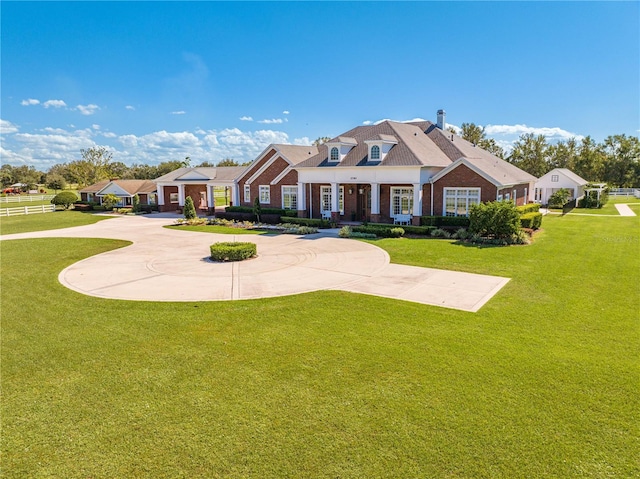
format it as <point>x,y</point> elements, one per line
<point>541,382</point>
<point>46,221</point>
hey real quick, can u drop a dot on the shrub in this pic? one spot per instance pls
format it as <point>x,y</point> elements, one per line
<point>443,221</point>
<point>189,210</point>
<point>363,235</point>
<point>257,208</point>
<point>531,220</point>
<point>82,206</point>
<point>380,231</point>
<point>135,203</point>
<point>110,200</point>
<point>559,198</point>
<point>496,219</point>
<point>440,233</point>
<point>528,208</point>
<point>232,251</point>
<point>461,234</point>
<point>396,232</point>
<point>192,222</point>
<point>123,211</point>
<point>300,230</point>
<point>64,199</point>
<point>264,211</point>
<point>318,223</point>
<point>344,232</point>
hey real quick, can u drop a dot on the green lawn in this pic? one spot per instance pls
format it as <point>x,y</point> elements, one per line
<point>542,382</point>
<point>46,221</point>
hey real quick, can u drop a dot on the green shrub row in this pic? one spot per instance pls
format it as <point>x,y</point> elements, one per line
<point>531,220</point>
<point>444,221</point>
<point>408,229</point>
<point>315,222</point>
<point>263,211</point>
<point>380,231</point>
<point>528,208</point>
<point>232,251</point>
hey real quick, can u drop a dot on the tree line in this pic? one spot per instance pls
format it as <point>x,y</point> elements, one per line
<point>96,165</point>
<point>615,161</point>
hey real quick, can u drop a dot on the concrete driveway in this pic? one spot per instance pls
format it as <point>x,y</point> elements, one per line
<point>172,265</point>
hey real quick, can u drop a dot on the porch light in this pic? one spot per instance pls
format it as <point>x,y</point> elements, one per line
<point>350,191</point>
<point>361,191</point>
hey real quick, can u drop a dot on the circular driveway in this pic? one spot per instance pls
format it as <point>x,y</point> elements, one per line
<point>172,265</point>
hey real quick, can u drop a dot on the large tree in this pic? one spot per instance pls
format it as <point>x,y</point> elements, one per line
<point>590,162</point>
<point>477,135</point>
<point>563,154</point>
<point>530,154</point>
<point>93,167</point>
<point>320,140</point>
<point>228,162</point>
<point>622,163</point>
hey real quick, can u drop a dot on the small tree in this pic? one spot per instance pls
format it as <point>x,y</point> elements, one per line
<point>65,199</point>
<point>56,181</point>
<point>496,219</point>
<point>110,200</point>
<point>257,209</point>
<point>135,203</point>
<point>559,198</point>
<point>189,209</point>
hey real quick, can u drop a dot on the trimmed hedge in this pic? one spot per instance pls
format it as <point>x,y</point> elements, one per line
<point>264,218</point>
<point>408,229</point>
<point>263,211</point>
<point>380,231</point>
<point>531,220</point>
<point>444,221</point>
<point>232,251</point>
<point>314,222</point>
<point>528,208</point>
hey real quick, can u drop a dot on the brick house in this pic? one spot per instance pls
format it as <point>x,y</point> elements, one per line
<point>123,189</point>
<point>397,172</point>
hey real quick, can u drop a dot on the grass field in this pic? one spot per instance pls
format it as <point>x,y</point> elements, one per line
<point>541,382</point>
<point>46,221</point>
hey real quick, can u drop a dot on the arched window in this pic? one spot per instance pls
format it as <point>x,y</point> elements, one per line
<point>375,152</point>
<point>335,154</point>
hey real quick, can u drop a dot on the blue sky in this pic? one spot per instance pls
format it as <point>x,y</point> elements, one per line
<point>155,81</point>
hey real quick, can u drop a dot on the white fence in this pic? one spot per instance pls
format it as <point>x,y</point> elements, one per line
<point>25,199</point>
<point>27,210</point>
<point>624,192</point>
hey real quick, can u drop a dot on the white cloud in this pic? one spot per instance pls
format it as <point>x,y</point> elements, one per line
<point>129,107</point>
<point>6,127</point>
<point>30,101</point>
<point>54,104</point>
<point>109,134</point>
<point>246,118</point>
<point>95,126</point>
<point>181,112</point>
<point>550,132</point>
<point>367,122</point>
<point>87,109</point>
<point>304,141</point>
<point>286,112</point>
<point>272,121</point>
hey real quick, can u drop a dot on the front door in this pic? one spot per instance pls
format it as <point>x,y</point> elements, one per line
<point>364,203</point>
<point>203,200</point>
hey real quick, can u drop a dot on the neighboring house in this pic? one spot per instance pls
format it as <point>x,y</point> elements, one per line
<point>397,172</point>
<point>198,183</point>
<point>555,180</point>
<point>123,189</point>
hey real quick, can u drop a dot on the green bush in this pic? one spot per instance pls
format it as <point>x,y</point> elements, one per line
<point>528,208</point>
<point>135,203</point>
<point>559,198</point>
<point>189,210</point>
<point>363,235</point>
<point>461,234</point>
<point>495,219</point>
<point>264,211</point>
<point>345,232</point>
<point>531,220</point>
<point>300,230</point>
<point>380,230</point>
<point>444,221</point>
<point>317,223</point>
<point>64,199</point>
<point>440,233</point>
<point>232,251</point>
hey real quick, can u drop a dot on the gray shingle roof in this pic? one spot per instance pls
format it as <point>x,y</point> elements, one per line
<point>296,153</point>
<point>130,186</point>
<point>221,173</point>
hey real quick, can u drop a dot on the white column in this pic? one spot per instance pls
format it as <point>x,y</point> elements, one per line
<point>302,203</point>
<point>375,198</point>
<point>235,194</point>
<point>160,194</point>
<point>417,199</point>
<point>211,202</point>
<point>180,194</point>
<point>334,198</point>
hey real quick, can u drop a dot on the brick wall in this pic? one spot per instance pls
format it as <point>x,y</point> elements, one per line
<point>460,177</point>
<point>168,206</point>
<point>519,189</point>
<point>259,181</point>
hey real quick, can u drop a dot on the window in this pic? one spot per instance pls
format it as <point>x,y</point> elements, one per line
<point>555,178</point>
<point>325,199</point>
<point>401,201</point>
<point>335,154</point>
<point>173,197</point>
<point>247,193</point>
<point>290,197</point>
<point>265,194</point>
<point>375,152</point>
<point>458,201</point>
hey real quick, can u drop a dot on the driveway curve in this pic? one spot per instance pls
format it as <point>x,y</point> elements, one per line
<point>172,265</point>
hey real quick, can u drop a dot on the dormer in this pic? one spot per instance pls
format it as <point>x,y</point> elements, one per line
<point>339,148</point>
<point>379,146</point>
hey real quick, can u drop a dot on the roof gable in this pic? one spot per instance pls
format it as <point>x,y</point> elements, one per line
<point>566,173</point>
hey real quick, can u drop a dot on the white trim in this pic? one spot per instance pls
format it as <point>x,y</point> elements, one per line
<point>268,190</point>
<point>263,168</point>
<point>294,188</point>
<point>246,193</point>
<point>468,188</point>
<point>279,178</point>
<point>397,191</point>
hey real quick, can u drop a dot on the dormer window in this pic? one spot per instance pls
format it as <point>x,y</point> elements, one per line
<point>375,152</point>
<point>335,154</point>
<point>379,146</point>
<point>339,148</point>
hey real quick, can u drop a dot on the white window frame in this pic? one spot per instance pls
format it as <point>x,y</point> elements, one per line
<point>292,193</point>
<point>247,193</point>
<point>173,198</point>
<point>331,154</point>
<point>326,190</point>
<point>402,194</point>
<point>461,199</point>
<point>555,178</point>
<point>379,150</point>
<point>265,194</point>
